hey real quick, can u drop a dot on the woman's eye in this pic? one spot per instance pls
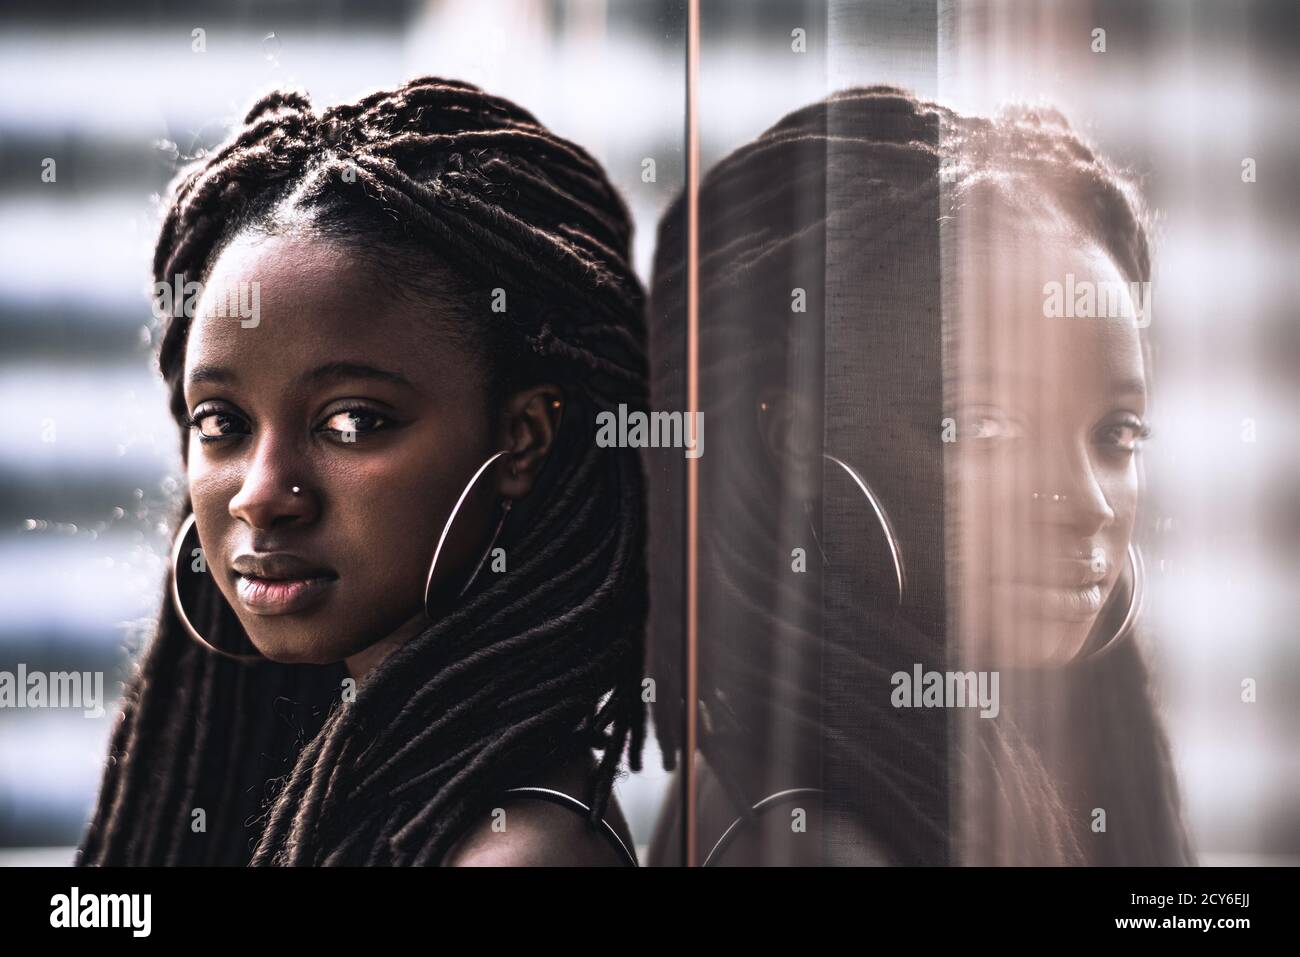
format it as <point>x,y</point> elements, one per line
<point>1124,436</point>
<point>990,426</point>
<point>348,423</point>
<point>215,426</point>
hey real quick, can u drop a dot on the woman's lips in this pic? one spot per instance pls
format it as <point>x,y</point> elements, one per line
<point>1076,603</point>
<point>266,596</point>
<point>1068,572</point>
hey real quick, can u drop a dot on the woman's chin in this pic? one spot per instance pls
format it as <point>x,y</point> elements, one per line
<point>307,642</point>
<point>291,649</point>
<point>1031,643</point>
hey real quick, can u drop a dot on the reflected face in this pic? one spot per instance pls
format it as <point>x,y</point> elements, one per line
<point>354,397</point>
<point>1050,420</point>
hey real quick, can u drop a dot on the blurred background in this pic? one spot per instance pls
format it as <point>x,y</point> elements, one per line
<point>1185,92</point>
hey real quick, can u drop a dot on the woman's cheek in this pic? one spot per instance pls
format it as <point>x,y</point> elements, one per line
<point>989,502</point>
<point>1121,491</point>
<point>386,506</point>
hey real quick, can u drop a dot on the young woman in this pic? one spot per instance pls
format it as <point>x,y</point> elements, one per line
<point>916,463</point>
<point>412,582</point>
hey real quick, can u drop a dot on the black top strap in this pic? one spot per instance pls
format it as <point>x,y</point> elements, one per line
<point>770,801</point>
<point>573,804</point>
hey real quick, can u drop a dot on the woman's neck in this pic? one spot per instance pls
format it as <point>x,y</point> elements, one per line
<point>365,661</point>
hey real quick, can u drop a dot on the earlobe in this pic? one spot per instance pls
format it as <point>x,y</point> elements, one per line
<point>772,413</point>
<point>532,421</point>
<point>787,429</point>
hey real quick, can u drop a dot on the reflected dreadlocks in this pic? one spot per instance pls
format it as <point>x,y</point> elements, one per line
<point>862,176</point>
<point>448,187</point>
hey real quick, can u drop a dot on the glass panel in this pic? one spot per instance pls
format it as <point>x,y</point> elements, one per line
<point>973,587</point>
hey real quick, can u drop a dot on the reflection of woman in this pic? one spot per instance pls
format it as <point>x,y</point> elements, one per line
<point>960,471</point>
<point>445,304</point>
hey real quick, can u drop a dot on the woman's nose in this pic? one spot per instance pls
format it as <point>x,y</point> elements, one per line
<point>1069,492</point>
<point>272,493</point>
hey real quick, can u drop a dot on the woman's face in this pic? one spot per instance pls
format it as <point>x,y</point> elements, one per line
<point>351,395</point>
<point>1049,418</point>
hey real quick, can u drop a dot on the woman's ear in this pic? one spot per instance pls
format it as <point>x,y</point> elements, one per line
<point>790,431</point>
<point>530,421</point>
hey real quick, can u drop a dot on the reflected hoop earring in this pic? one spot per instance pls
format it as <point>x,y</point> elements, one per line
<point>179,608</point>
<point>1136,598</point>
<point>446,531</point>
<point>891,538</point>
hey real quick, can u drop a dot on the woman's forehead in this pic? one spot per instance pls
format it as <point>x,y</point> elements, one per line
<point>295,303</point>
<point>1047,314</point>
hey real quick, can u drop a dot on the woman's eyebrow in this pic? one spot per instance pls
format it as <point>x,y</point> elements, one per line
<point>987,377</point>
<point>1130,387</point>
<point>220,375</point>
<point>354,370</point>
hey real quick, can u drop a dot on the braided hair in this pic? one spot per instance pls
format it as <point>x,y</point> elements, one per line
<point>777,649</point>
<point>463,191</point>
<point>843,199</point>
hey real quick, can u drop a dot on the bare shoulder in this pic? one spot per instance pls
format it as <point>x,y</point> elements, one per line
<point>521,830</point>
<point>525,832</point>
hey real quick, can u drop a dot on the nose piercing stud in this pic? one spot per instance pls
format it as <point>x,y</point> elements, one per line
<point>297,490</point>
<point>1043,495</point>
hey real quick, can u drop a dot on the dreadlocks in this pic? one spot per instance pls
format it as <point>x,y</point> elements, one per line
<point>533,665</point>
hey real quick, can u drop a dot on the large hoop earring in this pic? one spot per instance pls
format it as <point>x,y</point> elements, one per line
<point>446,531</point>
<point>1137,596</point>
<point>179,608</point>
<point>891,538</point>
